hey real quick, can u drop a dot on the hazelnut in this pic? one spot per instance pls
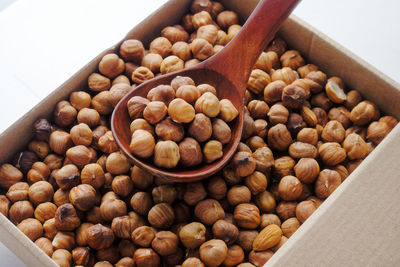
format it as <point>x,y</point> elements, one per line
<point>308,135</point>
<point>302,150</point>
<point>309,116</point>
<point>267,61</point>
<point>279,137</point>
<point>353,97</point>
<point>142,74</point>
<point>295,123</point>
<point>316,80</point>
<point>93,175</point>
<point>290,226</point>
<point>81,134</point>
<point>258,80</point>
<point>161,46</point>
<point>164,193</point>
<point>64,114</point>
<point>117,92</point>
<point>81,255</point>
<point>111,65</point>
<point>258,109</point>
<point>66,218</point>
<point>201,49</point>
<point>259,258</point>
<point>143,236</point>
<point>122,185</point>
<point>228,111</point>
<point>141,124</point>
<point>278,114</point>
<point>331,153</point>
<point>81,234</point>
<point>256,182</point>
<point>20,210</point>
<point>304,210</point>
<point>221,131</point>
<point>182,50</point>
<point>227,18</point>
<point>132,50</point>
<point>89,116</point>
<point>201,18</point>
<point>45,211</point>
<point>277,45</point>
<point>377,131</point>
<point>192,235</point>
<point>355,147</point>
<point>178,81</point>
<point>327,182</point>
<point>225,231</point>
<point>161,215</point>
<point>270,218</point>
<point>123,226</point>
<point>290,188</point>
<point>152,61</point>
<point>247,216</point>
<point>117,163</point>
<point>255,142</point>
<point>122,79</point>
<point>163,93</point>
<point>141,178</point>
<point>217,188</point>
<point>306,69</point>
<point>107,143</point>
<point>111,208</point>
<point>80,100</point>
<point>189,93</point>
<point>42,129</point>
<point>40,148</point>
<point>190,152</point>
<point>213,252</point>
<point>165,243</point>
<point>62,257</point>
<point>238,194</point>
<point>246,238</point>
<point>45,245</point>
<point>342,115</point>
<point>307,169</point>
<point>334,89</point>
<point>99,237</point>
<point>209,104</point>
<point>283,166</point>
<point>209,211</point>
<point>68,176</point>
<point>146,257</point>
<point>155,111</point>
<point>265,201</point>
<point>60,141</point>
<point>193,261</point>
<point>208,32</point>
<point>17,192</point>
<point>166,154</point>
<point>333,132</point>
<point>194,192</point>
<point>79,155</point>
<point>103,264</point>
<point>322,117</point>
<point>342,171</point>
<point>40,192</point>
<point>361,131</point>
<point>126,248</point>
<point>141,202</point>
<point>212,151</point>
<point>286,210</point>
<point>61,197</point>
<point>235,256</point>
<point>64,240</point>
<point>216,8</point>
<point>171,64</point>
<point>321,101</point>
<point>204,88</point>
<point>243,163</point>
<point>4,205</point>
<point>32,228</point>
<point>200,128</point>
<point>242,147</point>
<point>292,59</point>
<point>83,197</point>
<point>293,96</point>
<point>181,111</point>
<point>285,74</point>
<point>261,129</point>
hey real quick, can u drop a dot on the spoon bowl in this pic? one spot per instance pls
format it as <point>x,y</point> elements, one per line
<point>228,71</point>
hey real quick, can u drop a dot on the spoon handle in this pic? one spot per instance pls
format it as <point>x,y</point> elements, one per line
<point>236,60</point>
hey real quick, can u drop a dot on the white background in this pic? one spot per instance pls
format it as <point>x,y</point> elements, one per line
<point>43,42</point>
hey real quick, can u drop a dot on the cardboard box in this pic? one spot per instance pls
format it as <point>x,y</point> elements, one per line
<point>358,225</point>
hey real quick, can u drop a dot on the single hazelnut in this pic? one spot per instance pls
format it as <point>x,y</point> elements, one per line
<point>161,46</point>
<point>62,257</point>
<point>171,64</point>
<point>321,100</point>
<point>277,45</point>
<point>181,111</point>
<point>89,116</point>
<point>242,147</point>
<point>243,163</point>
<point>290,226</point>
<point>142,74</point>
<point>79,155</point>
<point>308,135</point>
<point>212,151</point>
<point>292,59</point>
<point>259,258</point>
<point>165,243</point>
<point>20,210</point>
<point>340,114</point>
<point>190,152</point>
<point>164,193</point>
<point>123,226</point>
<point>302,150</point>
<point>258,109</point>
<point>45,211</point>
<point>285,74</point>
<point>194,192</point>
<point>261,128</point>
<point>122,185</point>
<point>290,188</point>
<point>103,264</point>
<point>64,114</point>
<point>216,8</point>
<point>83,197</point>
<point>178,81</point>
<point>117,92</point>
<point>286,209</point>
<point>295,123</point>
<point>68,176</point>
<point>235,256</point>
<point>283,166</point>
<point>141,178</point>
<point>204,88</point>
<point>267,61</point>
<point>193,261</point>
<point>161,215</point>
<point>32,228</point>
<point>81,234</point>
<point>304,210</point>
<point>182,50</point>
<point>293,96</point>
<point>143,236</point>
<point>213,252</point>
<point>353,97</point>
<point>163,93</point>
<point>307,170</point>
<point>61,197</point>
<point>331,153</point>
<point>66,218</point>
<point>141,202</point>
<point>247,216</point>
<point>166,154</point>
<point>40,148</point>
<point>40,192</point>
<point>64,240</point>
<point>60,141</point>
<point>93,175</point>
<point>81,255</point>
<point>334,89</point>
<point>355,147</point>
<point>227,18</point>
<point>208,32</point>
<point>377,131</point>
<point>152,61</point>
<point>225,231</point>
<point>306,69</point>
<point>316,80</point>
<point>42,129</point>
<point>189,93</point>
<point>45,245</point>
<point>255,142</point>
<point>209,104</point>
<point>201,18</point>
<point>200,128</point>
<point>278,114</point>
<point>326,183</point>
<point>192,235</point>
<point>238,194</point>
<point>17,192</point>
<point>122,79</point>
<point>117,163</point>
<point>99,237</point>
<point>81,134</point>
<point>98,82</point>
<point>132,50</point>
<point>309,116</point>
<point>270,218</point>
<point>246,238</point>
<point>146,257</point>
<point>279,137</point>
<point>111,65</point>
<point>4,205</point>
<point>217,188</point>
<point>201,49</point>
<point>80,100</point>
<point>256,182</point>
<point>109,209</point>
<point>258,80</point>
<point>265,201</point>
<point>209,211</point>
<point>333,132</point>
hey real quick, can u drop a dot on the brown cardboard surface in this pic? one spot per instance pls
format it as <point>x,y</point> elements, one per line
<point>358,225</point>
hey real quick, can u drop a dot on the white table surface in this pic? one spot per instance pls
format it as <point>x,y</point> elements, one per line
<point>43,42</point>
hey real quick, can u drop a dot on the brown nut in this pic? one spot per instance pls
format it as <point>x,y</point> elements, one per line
<point>81,255</point>
<point>316,80</point>
<point>79,155</point>
<point>165,243</point>
<point>194,192</point>
<point>326,183</point>
<point>304,210</point>
<point>279,137</point>
<point>283,166</point>
<point>290,188</point>
<point>340,114</point>
<point>258,109</point>
<point>62,257</point>
<point>123,226</point>
<point>171,64</point>
<point>285,209</point>
<point>190,152</point>
<point>290,226</point>
<point>295,123</point>
<point>17,192</point>
<point>111,65</point>
<point>203,88</point>
<point>117,92</point>
<point>89,116</point>
<point>257,182</point>
<point>285,74</point>
<point>302,150</point>
<point>308,135</point>
<point>45,211</point>
<point>141,202</point>
<point>42,129</point>
<point>155,111</point>
<point>292,59</point>
<point>322,101</point>
<point>182,50</point>
<point>261,128</point>
<point>208,104</point>
<point>4,205</point>
<point>212,151</point>
<point>20,210</point>
<point>189,93</point>
<point>192,235</point>
<point>335,91</point>
<point>169,130</point>
<point>64,114</point>
<point>331,153</point>
<point>243,163</point>
<point>161,46</point>
<point>307,170</point>
<point>80,234</point>
<point>68,176</point>
<point>193,262</point>
<point>83,197</point>
<point>141,124</point>
<point>166,154</point>
<point>278,114</point>
<point>273,91</point>
<point>152,61</point>
<point>163,93</point>
<point>161,216</point>
<point>353,97</point>
<point>142,144</point>
<point>200,128</point>
<point>270,218</point>
<point>225,231</point>
<point>178,81</point>
<point>40,192</point>
<point>146,257</point>
<point>143,236</point>
<point>377,131</point>
<point>99,237</point>
<point>164,193</point>
<point>217,188</point>
<point>201,49</point>
<point>66,218</point>
<point>109,209</point>
<point>238,194</point>
<point>45,245</point>
<point>181,111</point>
<point>141,178</point>
<point>60,141</point>
<point>221,131</point>
<point>209,211</point>
<point>93,174</point>
<point>235,256</point>
<point>259,258</point>
<point>213,252</point>
<point>268,61</point>
<point>267,238</point>
<point>81,134</point>
<point>306,69</point>
<point>355,147</point>
<point>208,32</point>
<point>201,18</point>
<point>80,100</point>
<point>322,117</point>
<point>333,132</point>
<point>132,50</point>
<point>64,240</point>
<point>32,228</point>
<point>309,116</point>
<point>122,185</point>
<point>247,216</point>
<point>258,80</point>
<point>227,18</point>
<point>98,82</point>
<point>293,96</point>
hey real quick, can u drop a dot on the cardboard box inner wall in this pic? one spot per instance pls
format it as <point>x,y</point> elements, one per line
<point>357,225</point>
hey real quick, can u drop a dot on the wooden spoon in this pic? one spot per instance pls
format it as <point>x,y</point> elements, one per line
<point>228,71</point>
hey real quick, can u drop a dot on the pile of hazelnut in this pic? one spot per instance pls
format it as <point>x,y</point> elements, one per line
<point>166,117</point>
<point>75,195</point>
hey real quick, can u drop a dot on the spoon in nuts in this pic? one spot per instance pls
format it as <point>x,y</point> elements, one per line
<point>227,71</point>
